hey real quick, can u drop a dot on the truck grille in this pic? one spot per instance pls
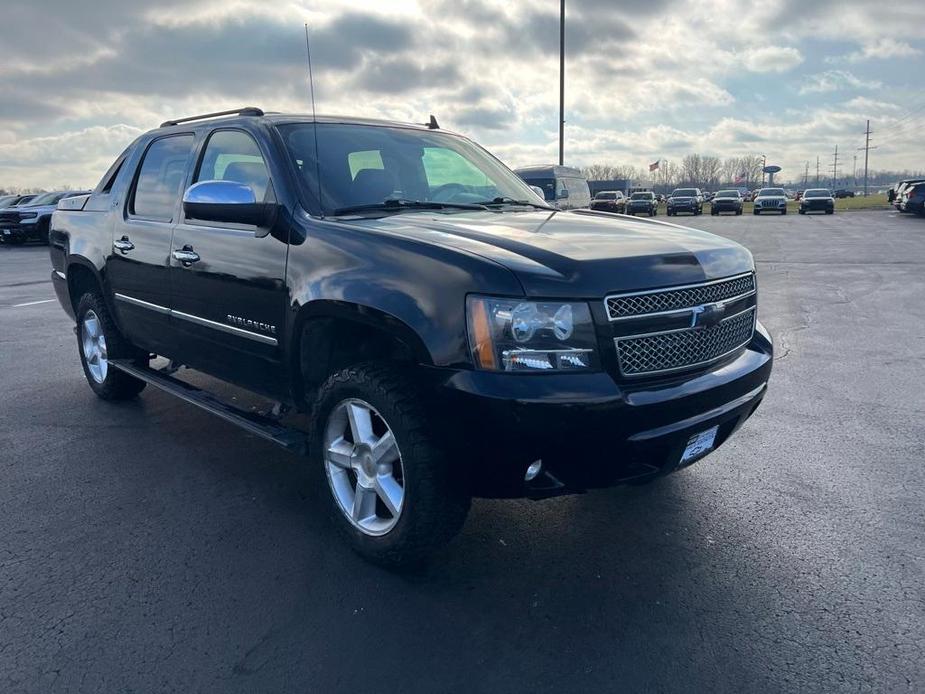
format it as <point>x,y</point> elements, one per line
<point>688,347</point>
<point>680,298</point>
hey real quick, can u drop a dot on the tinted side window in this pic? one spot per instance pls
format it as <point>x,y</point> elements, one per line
<point>233,155</point>
<point>160,177</point>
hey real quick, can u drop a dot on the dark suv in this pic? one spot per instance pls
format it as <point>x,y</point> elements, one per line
<point>30,220</point>
<point>685,200</point>
<point>446,333</point>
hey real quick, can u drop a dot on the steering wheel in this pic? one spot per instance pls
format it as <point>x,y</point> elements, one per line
<point>447,192</point>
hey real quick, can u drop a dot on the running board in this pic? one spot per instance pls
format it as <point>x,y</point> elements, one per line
<point>289,438</point>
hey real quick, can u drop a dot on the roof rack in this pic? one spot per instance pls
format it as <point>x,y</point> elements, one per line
<point>246,111</point>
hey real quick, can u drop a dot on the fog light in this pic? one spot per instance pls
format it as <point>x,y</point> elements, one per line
<point>533,469</point>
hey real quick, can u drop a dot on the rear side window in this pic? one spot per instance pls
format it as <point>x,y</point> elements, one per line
<point>233,155</point>
<point>160,177</point>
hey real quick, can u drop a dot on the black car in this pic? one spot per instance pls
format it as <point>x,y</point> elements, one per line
<point>844,193</point>
<point>685,200</point>
<point>446,334</point>
<point>642,203</point>
<point>913,199</point>
<point>609,201</point>
<point>817,200</point>
<point>30,220</point>
<point>726,201</point>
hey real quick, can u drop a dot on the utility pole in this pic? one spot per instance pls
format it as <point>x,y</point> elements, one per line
<point>561,82</point>
<point>866,149</point>
<point>806,174</point>
<point>817,169</point>
<point>764,164</point>
<point>854,172</point>
<point>835,168</point>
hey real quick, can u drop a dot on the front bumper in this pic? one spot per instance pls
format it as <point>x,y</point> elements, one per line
<point>589,429</point>
<point>19,230</point>
<point>770,207</point>
<point>811,206</point>
<point>683,207</point>
<point>640,208</point>
<point>722,206</point>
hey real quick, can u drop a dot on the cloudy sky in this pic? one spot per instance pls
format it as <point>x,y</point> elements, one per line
<point>647,79</point>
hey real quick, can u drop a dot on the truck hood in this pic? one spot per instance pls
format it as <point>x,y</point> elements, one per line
<point>580,254</point>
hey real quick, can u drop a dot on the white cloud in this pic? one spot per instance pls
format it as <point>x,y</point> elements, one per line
<point>835,80</point>
<point>771,58</point>
<point>882,49</point>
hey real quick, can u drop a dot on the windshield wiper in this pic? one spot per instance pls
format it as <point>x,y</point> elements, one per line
<point>511,201</point>
<point>396,205</point>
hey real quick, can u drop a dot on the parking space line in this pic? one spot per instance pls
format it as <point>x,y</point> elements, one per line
<point>33,303</point>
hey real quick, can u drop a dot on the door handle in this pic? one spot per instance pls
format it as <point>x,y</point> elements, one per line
<point>186,255</point>
<point>123,245</point>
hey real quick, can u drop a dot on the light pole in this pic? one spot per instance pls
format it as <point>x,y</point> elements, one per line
<point>764,164</point>
<point>561,82</point>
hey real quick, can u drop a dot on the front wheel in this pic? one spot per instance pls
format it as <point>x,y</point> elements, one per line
<point>98,341</point>
<point>393,491</point>
<point>783,211</point>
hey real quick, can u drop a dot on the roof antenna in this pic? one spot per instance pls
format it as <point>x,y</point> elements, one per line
<point>311,87</point>
<point>432,124</point>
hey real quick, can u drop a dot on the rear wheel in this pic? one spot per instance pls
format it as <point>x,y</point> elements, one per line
<point>98,341</point>
<point>394,493</point>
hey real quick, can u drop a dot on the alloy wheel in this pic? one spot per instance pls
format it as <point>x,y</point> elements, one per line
<point>93,343</point>
<point>364,467</point>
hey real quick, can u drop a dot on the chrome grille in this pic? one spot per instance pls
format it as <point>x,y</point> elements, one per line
<point>679,349</point>
<point>680,298</point>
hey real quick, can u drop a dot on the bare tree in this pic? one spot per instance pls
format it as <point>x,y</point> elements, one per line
<point>709,171</point>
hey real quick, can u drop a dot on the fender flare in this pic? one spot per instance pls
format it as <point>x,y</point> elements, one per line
<point>360,314</point>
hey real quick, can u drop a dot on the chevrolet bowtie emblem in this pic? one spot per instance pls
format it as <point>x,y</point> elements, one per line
<point>707,316</point>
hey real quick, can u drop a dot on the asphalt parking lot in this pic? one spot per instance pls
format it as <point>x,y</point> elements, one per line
<point>151,547</point>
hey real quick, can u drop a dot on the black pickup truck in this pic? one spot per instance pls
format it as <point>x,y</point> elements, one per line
<point>447,332</point>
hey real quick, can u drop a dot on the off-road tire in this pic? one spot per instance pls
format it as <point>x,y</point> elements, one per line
<point>436,491</point>
<point>117,385</point>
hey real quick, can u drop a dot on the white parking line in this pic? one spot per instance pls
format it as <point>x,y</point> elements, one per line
<point>33,303</point>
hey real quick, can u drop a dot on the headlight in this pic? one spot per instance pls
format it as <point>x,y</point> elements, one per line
<point>516,335</point>
<point>28,215</point>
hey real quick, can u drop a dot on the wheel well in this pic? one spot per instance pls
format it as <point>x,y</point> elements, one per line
<point>329,344</point>
<point>80,280</point>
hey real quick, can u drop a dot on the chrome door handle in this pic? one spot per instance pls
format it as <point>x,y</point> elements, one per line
<point>186,255</point>
<point>123,245</point>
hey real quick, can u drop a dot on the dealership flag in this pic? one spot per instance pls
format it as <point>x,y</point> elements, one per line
<point>740,178</point>
<point>653,166</point>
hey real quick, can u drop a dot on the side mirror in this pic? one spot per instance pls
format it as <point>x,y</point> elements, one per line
<point>224,201</point>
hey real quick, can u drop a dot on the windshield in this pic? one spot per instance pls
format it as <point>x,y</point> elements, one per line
<point>769,192</point>
<point>547,185</point>
<point>366,165</point>
<point>643,196</point>
<point>44,199</point>
<point>728,194</point>
<point>684,193</point>
<point>605,196</point>
<point>817,193</point>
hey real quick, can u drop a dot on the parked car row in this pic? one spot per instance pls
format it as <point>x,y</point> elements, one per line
<point>909,195</point>
<point>28,217</point>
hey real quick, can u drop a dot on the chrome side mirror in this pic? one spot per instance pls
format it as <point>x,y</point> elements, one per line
<point>224,201</point>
